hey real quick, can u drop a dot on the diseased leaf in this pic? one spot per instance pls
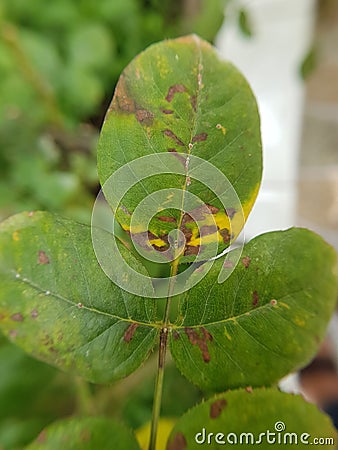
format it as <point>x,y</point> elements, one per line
<point>90,433</point>
<point>179,98</point>
<point>265,320</point>
<point>245,418</point>
<point>57,304</point>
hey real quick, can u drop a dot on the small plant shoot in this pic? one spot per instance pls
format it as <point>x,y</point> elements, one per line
<point>160,270</point>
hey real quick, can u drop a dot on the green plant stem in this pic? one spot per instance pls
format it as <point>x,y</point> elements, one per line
<point>85,405</point>
<point>161,360</point>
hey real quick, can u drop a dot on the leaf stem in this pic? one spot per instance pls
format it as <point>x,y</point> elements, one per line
<point>85,405</point>
<point>161,359</point>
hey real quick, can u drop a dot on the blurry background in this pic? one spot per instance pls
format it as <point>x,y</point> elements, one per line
<point>59,63</point>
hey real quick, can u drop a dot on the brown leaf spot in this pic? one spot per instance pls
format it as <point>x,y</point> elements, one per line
<point>125,210</point>
<point>42,437</point>
<point>34,313</point>
<point>246,261</point>
<point>80,305</point>
<point>42,257</point>
<point>17,317</point>
<point>193,101</point>
<point>178,443</point>
<point>230,212</point>
<point>187,218</point>
<point>31,213</point>
<point>217,407</point>
<point>122,99</point>
<point>179,156</point>
<point>85,436</point>
<point>167,111</point>
<point>167,219</point>
<point>200,212</point>
<point>228,264</point>
<point>213,209</point>
<point>13,334</point>
<point>173,136</point>
<point>176,335</point>
<point>191,250</point>
<point>200,339</point>
<point>2,316</point>
<point>255,298</point>
<point>200,137</point>
<point>187,234</point>
<point>175,89</point>
<point>144,117</point>
<point>130,331</point>
<point>225,235</point>
<point>273,302</point>
<point>207,229</point>
<point>249,389</point>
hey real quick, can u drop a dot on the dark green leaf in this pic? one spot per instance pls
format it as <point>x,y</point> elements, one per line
<point>58,305</point>
<point>265,320</point>
<point>244,418</point>
<point>92,433</point>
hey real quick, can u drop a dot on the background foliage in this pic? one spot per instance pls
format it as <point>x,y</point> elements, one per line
<point>58,67</point>
<point>59,63</point>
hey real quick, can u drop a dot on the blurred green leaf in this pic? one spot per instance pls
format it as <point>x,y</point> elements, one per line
<point>242,416</point>
<point>92,433</point>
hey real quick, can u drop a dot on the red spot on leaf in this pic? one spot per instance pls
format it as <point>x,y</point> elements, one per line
<point>144,117</point>
<point>130,331</point>
<point>173,136</point>
<point>42,257</point>
<point>217,407</point>
<point>42,437</point>
<point>200,137</point>
<point>17,317</point>
<point>201,339</point>
<point>176,335</point>
<point>213,209</point>
<point>230,212</point>
<point>191,250</point>
<point>167,219</point>
<point>225,235</point>
<point>175,89</point>
<point>246,261</point>
<point>178,443</point>
<point>34,313</point>
<point>228,264</point>
<point>255,298</point>
<point>182,158</point>
<point>193,101</point>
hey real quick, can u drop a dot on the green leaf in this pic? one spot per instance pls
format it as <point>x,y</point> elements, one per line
<point>265,320</point>
<point>57,304</point>
<point>244,23</point>
<point>241,417</point>
<point>179,98</point>
<point>90,433</point>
